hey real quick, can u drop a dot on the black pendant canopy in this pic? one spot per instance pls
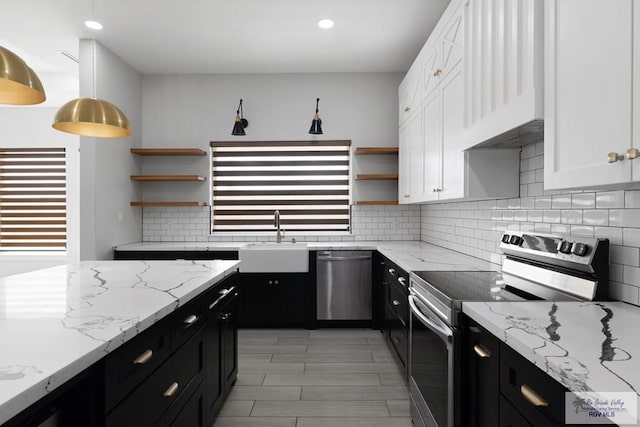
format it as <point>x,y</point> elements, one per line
<point>240,123</point>
<point>316,124</point>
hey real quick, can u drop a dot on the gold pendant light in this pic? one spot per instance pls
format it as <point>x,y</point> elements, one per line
<point>19,84</point>
<point>92,116</point>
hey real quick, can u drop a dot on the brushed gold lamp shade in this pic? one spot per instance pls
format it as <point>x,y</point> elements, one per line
<point>92,117</point>
<point>19,84</point>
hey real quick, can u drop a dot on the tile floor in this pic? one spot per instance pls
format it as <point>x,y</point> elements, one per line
<point>316,378</point>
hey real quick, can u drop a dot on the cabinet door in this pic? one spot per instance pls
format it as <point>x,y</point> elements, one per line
<point>588,92</point>
<point>404,165</point>
<point>636,90</point>
<point>257,304</point>
<point>509,416</point>
<point>452,184</point>
<point>432,144</point>
<point>481,371</point>
<point>409,95</point>
<point>229,343</point>
<point>214,384</point>
<point>295,302</point>
<point>432,71</point>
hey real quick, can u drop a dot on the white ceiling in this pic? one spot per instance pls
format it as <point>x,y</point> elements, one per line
<point>224,36</point>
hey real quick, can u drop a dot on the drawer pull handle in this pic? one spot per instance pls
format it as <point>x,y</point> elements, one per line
<point>223,294</point>
<point>171,391</point>
<point>395,302</point>
<point>143,358</point>
<point>392,271</point>
<point>481,351</point>
<point>402,281</point>
<point>396,340</point>
<point>533,397</point>
<point>224,316</point>
<point>190,320</point>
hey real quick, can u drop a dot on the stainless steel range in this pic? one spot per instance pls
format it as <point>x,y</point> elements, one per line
<point>535,266</point>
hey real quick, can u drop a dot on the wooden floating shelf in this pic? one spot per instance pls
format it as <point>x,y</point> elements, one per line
<point>371,176</point>
<point>377,150</point>
<point>376,202</point>
<point>167,178</point>
<point>186,204</point>
<point>168,151</point>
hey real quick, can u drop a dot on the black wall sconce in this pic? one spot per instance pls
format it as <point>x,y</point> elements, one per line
<point>241,122</point>
<point>316,124</point>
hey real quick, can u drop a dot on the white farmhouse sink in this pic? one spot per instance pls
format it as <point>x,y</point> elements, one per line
<point>274,258</point>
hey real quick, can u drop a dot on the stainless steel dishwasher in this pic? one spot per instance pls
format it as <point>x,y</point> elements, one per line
<point>344,285</point>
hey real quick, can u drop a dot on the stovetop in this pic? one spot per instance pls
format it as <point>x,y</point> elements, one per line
<point>476,286</point>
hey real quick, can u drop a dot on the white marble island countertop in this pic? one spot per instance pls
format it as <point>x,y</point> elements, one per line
<point>409,255</point>
<point>55,323</point>
<point>586,346</point>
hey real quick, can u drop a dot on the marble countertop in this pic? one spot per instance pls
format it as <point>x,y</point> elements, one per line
<point>409,255</point>
<point>586,346</point>
<point>56,322</point>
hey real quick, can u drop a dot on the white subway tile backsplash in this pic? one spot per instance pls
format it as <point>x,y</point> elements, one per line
<point>561,201</point>
<point>551,216</point>
<point>624,217</point>
<point>571,217</point>
<point>610,199</point>
<point>632,199</point>
<point>614,234</point>
<point>595,217</point>
<point>631,237</point>
<point>583,201</point>
<point>625,255</point>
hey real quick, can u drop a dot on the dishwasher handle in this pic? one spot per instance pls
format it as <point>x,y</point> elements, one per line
<point>344,258</point>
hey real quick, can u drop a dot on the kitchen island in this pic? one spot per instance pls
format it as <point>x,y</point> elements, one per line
<point>58,322</point>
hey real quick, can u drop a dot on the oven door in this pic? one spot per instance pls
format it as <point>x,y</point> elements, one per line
<point>434,367</point>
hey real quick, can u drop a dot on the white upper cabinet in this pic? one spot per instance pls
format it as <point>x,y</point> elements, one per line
<point>591,91</point>
<point>410,167</point>
<point>504,71</point>
<point>409,95</point>
<point>433,165</point>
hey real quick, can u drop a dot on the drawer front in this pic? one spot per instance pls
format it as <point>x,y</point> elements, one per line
<point>398,303</point>
<point>178,375</point>
<point>519,378</point>
<point>186,321</point>
<point>188,410</point>
<point>129,365</point>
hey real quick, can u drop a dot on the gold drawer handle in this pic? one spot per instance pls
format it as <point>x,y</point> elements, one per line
<point>406,109</point>
<point>395,302</point>
<point>396,340</point>
<point>190,320</point>
<point>532,397</point>
<point>173,388</point>
<point>481,351</point>
<point>143,358</point>
<point>437,72</point>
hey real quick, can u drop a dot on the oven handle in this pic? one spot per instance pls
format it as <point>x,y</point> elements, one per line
<point>445,334</point>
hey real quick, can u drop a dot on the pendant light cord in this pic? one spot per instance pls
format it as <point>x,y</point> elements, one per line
<point>317,102</point>
<point>239,111</point>
<point>94,68</point>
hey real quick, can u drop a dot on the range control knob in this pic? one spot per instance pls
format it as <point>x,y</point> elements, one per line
<point>580,249</point>
<point>565,247</point>
<point>505,238</point>
<point>515,240</point>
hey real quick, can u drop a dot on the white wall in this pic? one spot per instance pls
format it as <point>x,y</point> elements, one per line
<point>106,219</point>
<point>30,126</point>
<point>192,110</point>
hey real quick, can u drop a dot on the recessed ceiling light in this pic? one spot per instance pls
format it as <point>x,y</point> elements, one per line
<point>94,25</point>
<point>326,23</point>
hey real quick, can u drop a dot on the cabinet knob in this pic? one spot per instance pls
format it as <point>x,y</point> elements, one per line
<point>614,157</point>
<point>407,109</point>
<point>481,351</point>
<point>532,397</point>
<point>437,72</point>
<point>395,302</point>
<point>407,195</point>
<point>632,153</point>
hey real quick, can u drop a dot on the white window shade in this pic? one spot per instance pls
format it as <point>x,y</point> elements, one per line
<point>307,181</point>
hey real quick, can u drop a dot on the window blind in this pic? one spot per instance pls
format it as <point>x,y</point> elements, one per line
<point>307,181</point>
<point>33,213</point>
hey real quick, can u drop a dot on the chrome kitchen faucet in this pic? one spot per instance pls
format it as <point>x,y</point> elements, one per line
<point>276,223</point>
